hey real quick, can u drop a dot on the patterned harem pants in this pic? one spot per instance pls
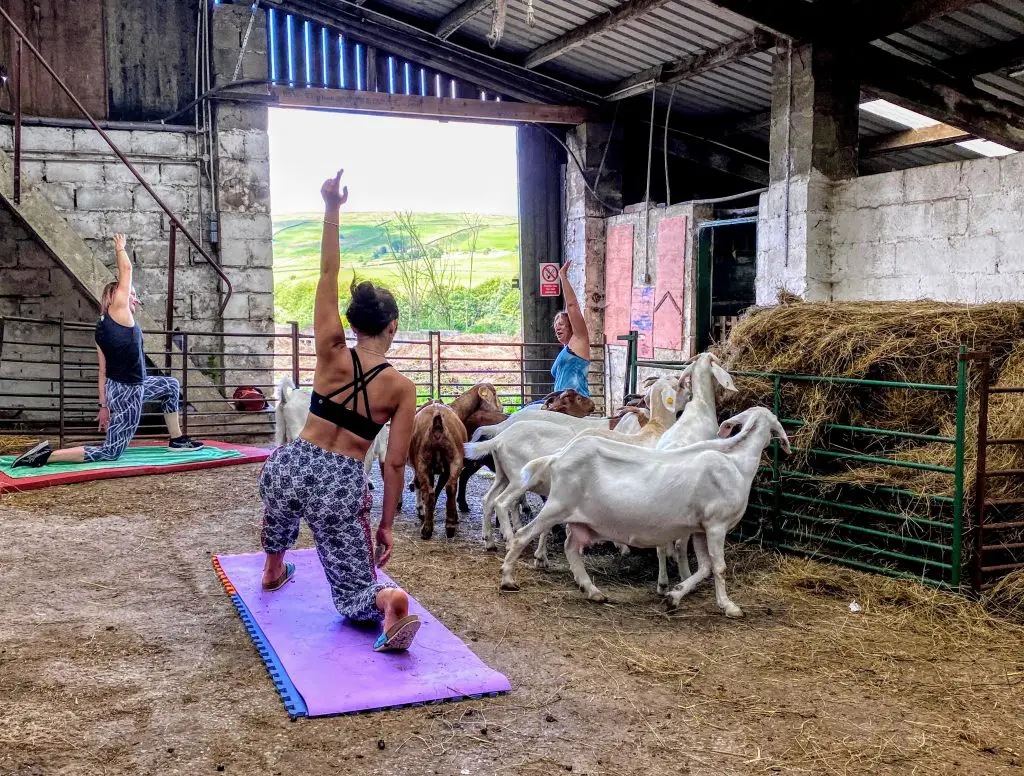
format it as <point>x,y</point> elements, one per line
<point>125,403</point>
<point>301,480</point>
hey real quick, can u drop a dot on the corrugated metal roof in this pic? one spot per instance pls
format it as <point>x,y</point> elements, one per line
<point>684,27</point>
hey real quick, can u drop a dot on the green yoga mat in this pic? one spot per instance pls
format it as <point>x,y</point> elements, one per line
<point>154,455</point>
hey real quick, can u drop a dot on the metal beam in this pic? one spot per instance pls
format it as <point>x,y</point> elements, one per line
<point>689,67</point>
<point>460,16</point>
<point>935,94</point>
<point>429,107</point>
<point>409,41</point>
<point>1009,54</point>
<point>599,25</point>
<point>940,134</point>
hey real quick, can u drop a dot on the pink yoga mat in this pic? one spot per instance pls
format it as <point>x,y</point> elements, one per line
<point>329,660</point>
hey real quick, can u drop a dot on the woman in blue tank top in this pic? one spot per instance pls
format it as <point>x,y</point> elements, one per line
<point>573,360</point>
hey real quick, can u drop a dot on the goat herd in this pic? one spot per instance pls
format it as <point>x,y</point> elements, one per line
<point>665,475</point>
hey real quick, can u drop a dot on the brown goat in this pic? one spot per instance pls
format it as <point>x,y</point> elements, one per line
<point>569,402</point>
<point>436,450</point>
<point>479,406</point>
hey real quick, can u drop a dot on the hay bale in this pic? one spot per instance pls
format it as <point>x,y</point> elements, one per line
<point>16,444</point>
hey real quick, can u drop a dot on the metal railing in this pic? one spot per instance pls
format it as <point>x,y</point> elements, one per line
<point>49,375</point>
<point>998,522</point>
<point>17,73</point>
<point>806,506</point>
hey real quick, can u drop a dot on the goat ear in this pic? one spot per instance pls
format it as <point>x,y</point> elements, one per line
<point>723,377</point>
<point>725,430</point>
<point>668,398</point>
<point>780,433</point>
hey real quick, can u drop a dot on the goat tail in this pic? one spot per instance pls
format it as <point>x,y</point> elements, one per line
<point>489,432</point>
<point>477,450</point>
<point>537,471</point>
<point>284,387</point>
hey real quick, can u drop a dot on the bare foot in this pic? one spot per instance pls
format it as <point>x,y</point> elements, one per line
<point>273,568</point>
<point>395,605</point>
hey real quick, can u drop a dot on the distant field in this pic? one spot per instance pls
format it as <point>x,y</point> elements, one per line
<point>364,241</point>
<point>480,278</point>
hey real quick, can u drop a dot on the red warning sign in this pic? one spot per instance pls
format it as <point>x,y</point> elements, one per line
<point>549,282</point>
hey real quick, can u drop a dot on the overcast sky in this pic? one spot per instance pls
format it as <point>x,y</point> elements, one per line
<point>392,163</point>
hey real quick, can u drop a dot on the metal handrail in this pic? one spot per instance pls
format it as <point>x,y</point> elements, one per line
<point>117,152</point>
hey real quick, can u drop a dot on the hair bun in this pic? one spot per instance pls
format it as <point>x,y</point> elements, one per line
<point>371,309</point>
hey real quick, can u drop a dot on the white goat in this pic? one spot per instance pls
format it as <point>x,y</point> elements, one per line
<point>530,415</point>
<point>290,417</point>
<point>702,487</point>
<point>511,451</point>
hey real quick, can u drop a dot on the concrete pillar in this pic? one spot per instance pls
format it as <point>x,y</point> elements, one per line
<point>815,117</point>
<point>242,168</point>
<point>585,213</point>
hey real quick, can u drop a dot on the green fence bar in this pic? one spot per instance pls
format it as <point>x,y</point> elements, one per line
<point>885,571</point>
<point>861,510</point>
<point>928,467</point>
<point>958,477</point>
<point>869,430</point>
<point>872,488</point>
<point>869,531</point>
<point>797,378</point>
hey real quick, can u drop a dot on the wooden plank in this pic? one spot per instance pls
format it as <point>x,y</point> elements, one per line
<point>670,283</point>
<point>597,26</point>
<point>69,34</point>
<point>958,103</point>
<point>462,14</point>
<point>1009,54</point>
<point>150,57</point>
<point>689,67</point>
<point>618,281</point>
<point>940,134</point>
<point>431,107</point>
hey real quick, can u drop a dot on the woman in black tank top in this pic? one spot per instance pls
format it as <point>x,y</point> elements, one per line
<point>320,476</point>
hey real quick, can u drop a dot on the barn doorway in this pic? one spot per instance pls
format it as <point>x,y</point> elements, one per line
<point>726,272</point>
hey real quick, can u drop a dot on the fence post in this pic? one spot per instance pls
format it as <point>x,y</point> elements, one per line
<point>630,379</point>
<point>958,474</point>
<point>184,382</point>
<point>435,364</point>
<point>18,73</point>
<point>169,314</point>
<point>776,467</point>
<point>522,375</point>
<point>980,479</point>
<point>296,372</point>
<point>60,399</point>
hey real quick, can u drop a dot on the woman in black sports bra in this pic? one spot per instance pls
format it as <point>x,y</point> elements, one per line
<point>320,476</point>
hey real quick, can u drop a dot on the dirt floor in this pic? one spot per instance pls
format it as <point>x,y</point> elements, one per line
<point>121,654</point>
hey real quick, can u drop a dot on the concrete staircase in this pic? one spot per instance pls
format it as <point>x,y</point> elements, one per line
<point>69,250</point>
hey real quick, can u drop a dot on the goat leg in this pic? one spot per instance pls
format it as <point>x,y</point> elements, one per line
<point>469,468</point>
<point>451,518</point>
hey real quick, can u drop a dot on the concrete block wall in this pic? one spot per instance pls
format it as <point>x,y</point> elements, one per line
<point>948,232</point>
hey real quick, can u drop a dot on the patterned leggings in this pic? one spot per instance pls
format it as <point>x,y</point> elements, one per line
<point>125,403</point>
<point>301,480</point>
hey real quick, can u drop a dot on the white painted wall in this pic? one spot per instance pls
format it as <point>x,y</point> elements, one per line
<point>949,232</point>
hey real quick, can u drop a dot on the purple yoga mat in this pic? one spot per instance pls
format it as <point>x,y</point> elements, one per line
<point>330,659</point>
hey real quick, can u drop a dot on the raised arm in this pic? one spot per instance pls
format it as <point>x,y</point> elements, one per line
<point>327,328</point>
<point>580,342</point>
<point>394,467</point>
<point>120,309</point>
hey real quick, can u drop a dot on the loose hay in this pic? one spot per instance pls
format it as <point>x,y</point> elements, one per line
<point>15,445</point>
<point>912,342</point>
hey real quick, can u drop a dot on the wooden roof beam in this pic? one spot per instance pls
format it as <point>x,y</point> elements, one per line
<point>1001,56</point>
<point>690,67</point>
<point>712,156</point>
<point>351,101</point>
<point>940,134</point>
<point>462,14</point>
<point>935,94</point>
<point>629,10</point>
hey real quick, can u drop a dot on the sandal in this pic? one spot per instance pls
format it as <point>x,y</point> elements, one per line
<point>289,572</point>
<point>399,636</point>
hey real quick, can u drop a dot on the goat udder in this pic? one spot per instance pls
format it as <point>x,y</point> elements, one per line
<point>581,536</point>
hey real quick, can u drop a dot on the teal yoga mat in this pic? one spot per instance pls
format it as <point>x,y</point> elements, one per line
<point>147,456</point>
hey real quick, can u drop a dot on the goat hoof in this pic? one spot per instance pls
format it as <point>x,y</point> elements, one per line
<point>672,602</point>
<point>540,563</point>
<point>662,589</point>
<point>449,530</point>
<point>597,597</point>
<point>492,547</point>
<point>426,531</point>
<point>510,586</point>
<point>464,506</point>
<point>733,612</point>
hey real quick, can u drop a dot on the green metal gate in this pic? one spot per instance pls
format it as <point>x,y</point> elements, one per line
<point>803,505</point>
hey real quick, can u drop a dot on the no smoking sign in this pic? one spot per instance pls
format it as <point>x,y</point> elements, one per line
<point>549,283</point>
